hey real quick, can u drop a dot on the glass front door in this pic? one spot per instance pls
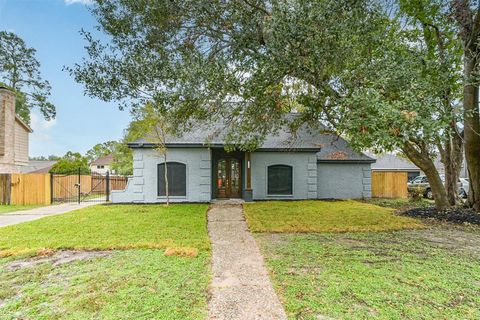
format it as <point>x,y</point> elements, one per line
<point>229,178</point>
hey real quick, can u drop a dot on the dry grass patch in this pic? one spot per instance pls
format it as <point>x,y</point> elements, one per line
<point>181,252</point>
<point>324,216</point>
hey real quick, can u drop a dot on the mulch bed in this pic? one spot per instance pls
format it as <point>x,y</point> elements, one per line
<point>455,215</point>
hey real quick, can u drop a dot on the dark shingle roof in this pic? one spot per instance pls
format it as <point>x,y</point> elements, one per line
<point>335,149</point>
<point>329,147</point>
<point>389,161</point>
<point>393,162</point>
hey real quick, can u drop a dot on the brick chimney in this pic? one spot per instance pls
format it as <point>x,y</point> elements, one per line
<point>7,130</point>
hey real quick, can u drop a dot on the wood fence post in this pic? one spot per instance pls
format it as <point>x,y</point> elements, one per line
<point>9,189</point>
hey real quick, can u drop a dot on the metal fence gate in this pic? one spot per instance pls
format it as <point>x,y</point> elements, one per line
<point>78,187</point>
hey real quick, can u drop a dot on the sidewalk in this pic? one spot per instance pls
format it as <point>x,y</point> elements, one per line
<point>16,217</point>
<point>240,288</point>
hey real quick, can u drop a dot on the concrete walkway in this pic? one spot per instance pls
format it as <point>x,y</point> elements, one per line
<point>240,287</point>
<point>16,217</point>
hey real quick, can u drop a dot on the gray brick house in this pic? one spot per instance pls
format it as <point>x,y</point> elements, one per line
<point>307,165</point>
<point>14,135</point>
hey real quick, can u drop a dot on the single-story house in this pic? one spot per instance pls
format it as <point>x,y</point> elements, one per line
<point>311,164</point>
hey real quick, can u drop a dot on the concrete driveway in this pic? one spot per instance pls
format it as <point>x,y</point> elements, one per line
<point>16,217</point>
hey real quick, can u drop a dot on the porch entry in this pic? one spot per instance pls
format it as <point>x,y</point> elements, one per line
<point>228,177</point>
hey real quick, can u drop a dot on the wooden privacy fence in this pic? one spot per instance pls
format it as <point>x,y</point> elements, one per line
<point>100,185</point>
<point>95,184</point>
<point>24,189</point>
<point>42,189</point>
<point>30,189</point>
<point>64,186</point>
<point>389,184</point>
<point>5,181</point>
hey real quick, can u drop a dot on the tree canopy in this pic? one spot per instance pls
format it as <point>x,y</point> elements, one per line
<point>204,59</point>
<point>101,150</point>
<point>20,70</point>
<point>71,163</point>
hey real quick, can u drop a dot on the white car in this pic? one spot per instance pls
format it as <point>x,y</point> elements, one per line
<point>464,186</point>
<point>421,184</point>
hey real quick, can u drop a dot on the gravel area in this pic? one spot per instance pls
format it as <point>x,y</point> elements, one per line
<point>240,288</point>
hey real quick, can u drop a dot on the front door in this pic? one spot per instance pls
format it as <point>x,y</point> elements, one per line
<point>229,183</point>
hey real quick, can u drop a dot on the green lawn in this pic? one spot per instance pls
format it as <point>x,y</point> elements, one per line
<point>106,227</point>
<point>419,274</point>
<point>324,216</point>
<point>11,208</point>
<point>133,278</point>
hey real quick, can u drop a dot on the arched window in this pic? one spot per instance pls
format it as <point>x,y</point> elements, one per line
<point>177,179</point>
<point>280,180</point>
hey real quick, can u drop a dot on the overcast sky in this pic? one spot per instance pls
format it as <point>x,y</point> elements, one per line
<point>52,28</point>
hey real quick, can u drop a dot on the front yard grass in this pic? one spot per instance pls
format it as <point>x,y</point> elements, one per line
<point>106,227</point>
<point>12,208</point>
<point>127,275</point>
<point>324,216</point>
<point>355,260</point>
<point>419,274</point>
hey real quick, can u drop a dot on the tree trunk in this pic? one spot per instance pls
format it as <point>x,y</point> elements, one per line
<point>438,189</point>
<point>426,164</point>
<point>166,179</point>
<point>452,158</point>
<point>472,129</point>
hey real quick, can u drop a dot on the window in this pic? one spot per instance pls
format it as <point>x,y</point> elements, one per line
<point>177,179</point>
<point>100,167</point>
<point>280,180</point>
<point>412,175</point>
<point>418,179</point>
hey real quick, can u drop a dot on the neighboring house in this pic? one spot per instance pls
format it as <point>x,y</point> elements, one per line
<point>392,162</point>
<point>38,166</point>
<point>14,134</point>
<point>102,165</point>
<point>312,165</point>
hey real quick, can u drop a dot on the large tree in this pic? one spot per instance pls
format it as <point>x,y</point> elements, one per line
<point>20,70</point>
<point>432,39</point>
<point>399,107</point>
<point>467,15</point>
<point>250,62</point>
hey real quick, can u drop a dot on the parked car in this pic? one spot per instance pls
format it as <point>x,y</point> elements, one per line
<point>420,184</point>
<point>464,187</point>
